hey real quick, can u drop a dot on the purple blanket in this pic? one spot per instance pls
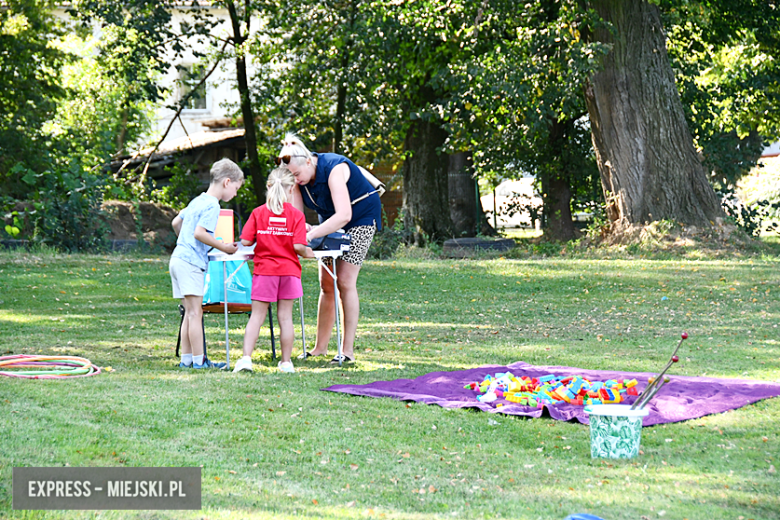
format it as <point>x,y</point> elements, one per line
<point>681,399</point>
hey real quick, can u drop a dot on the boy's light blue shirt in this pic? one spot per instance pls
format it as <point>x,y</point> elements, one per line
<point>202,211</point>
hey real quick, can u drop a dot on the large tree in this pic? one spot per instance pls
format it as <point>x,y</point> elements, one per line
<point>421,43</point>
<point>649,167</point>
<point>524,104</point>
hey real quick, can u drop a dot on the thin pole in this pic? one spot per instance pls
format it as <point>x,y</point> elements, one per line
<point>303,328</point>
<point>476,206</point>
<point>339,344</point>
<point>227,332</point>
<point>495,211</point>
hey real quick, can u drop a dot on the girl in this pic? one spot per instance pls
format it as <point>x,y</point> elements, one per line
<point>279,231</point>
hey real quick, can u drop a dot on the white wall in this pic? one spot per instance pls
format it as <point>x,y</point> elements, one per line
<point>220,87</point>
<point>772,150</point>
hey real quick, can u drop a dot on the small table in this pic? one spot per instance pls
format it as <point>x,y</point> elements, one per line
<point>243,254</point>
<point>334,254</point>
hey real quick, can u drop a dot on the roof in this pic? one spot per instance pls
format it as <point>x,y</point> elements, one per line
<point>165,154</point>
<point>198,140</point>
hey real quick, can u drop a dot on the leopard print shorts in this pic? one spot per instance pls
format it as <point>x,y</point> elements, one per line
<point>361,238</point>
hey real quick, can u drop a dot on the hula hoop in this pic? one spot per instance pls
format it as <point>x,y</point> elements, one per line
<point>49,367</point>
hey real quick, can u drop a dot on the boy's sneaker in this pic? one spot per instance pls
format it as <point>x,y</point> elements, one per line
<point>182,365</point>
<point>243,364</point>
<point>207,363</point>
<point>287,367</point>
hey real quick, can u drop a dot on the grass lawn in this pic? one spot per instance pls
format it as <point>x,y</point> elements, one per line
<point>274,446</point>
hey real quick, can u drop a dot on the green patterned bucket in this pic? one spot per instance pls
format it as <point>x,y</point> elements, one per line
<point>615,430</point>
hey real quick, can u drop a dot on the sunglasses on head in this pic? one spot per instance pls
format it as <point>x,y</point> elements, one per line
<point>285,159</point>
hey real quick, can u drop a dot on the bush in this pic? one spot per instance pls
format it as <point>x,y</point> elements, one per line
<point>749,217</point>
<point>182,188</point>
<point>389,239</point>
<point>66,202</point>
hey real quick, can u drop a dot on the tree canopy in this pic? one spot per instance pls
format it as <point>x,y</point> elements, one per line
<point>655,101</point>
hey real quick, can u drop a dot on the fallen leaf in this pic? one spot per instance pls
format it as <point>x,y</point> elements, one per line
<point>280,473</point>
<point>231,472</point>
<point>353,467</point>
<point>314,501</point>
<point>406,455</point>
<point>431,489</point>
<point>351,504</point>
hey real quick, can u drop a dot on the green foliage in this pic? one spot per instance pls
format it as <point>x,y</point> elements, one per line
<point>729,80</point>
<point>61,96</point>
<point>387,241</point>
<point>182,187</point>
<point>334,43</point>
<point>102,116</point>
<point>67,208</point>
<point>14,229</point>
<point>29,86</point>
<point>521,101</point>
<point>750,217</point>
<point>142,41</point>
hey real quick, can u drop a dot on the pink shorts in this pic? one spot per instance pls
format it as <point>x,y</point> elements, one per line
<point>275,288</point>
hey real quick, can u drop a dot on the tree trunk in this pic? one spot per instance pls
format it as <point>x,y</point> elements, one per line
<point>649,168</point>
<point>556,196</point>
<point>465,207</point>
<point>426,192</point>
<point>556,184</point>
<point>250,135</point>
<point>462,194</point>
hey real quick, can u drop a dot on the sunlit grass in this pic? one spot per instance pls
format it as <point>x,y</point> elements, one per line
<point>276,446</point>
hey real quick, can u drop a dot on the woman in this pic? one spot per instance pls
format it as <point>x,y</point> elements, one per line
<point>334,187</point>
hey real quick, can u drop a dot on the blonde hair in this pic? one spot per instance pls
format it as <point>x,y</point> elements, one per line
<point>279,182</point>
<point>294,147</point>
<point>226,169</point>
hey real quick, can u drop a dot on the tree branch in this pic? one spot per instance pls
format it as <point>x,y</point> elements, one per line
<point>176,116</point>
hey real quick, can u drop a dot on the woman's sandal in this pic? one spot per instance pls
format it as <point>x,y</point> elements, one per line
<point>341,359</point>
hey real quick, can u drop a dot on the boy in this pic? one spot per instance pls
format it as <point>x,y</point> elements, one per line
<point>195,227</point>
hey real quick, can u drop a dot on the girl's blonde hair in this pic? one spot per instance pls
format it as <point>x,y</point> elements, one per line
<point>279,182</point>
<point>294,147</point>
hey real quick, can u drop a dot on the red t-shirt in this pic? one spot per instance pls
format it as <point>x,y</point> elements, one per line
<point>275,236</point>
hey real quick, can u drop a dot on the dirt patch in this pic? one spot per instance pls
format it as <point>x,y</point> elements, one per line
<point>152,220</point>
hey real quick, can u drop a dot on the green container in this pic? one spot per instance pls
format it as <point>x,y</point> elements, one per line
<point>615,430</point>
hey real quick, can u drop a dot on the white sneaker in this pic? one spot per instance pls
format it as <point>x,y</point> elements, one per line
<point>243,364</point>
<point>287,367</point>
